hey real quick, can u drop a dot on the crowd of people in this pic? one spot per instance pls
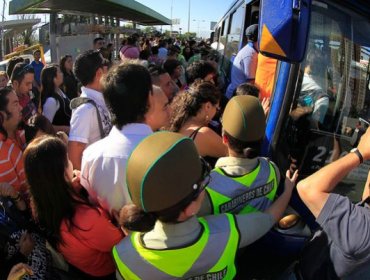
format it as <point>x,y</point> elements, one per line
<point>148,167</point>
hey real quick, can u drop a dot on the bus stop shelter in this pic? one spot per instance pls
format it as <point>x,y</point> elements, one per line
<point>129,10</point>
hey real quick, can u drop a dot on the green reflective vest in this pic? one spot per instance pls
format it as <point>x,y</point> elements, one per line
<point>210,257</point>
<point>252,192</point>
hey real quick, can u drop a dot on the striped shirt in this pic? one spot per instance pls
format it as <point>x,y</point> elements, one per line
<point>11,161</point>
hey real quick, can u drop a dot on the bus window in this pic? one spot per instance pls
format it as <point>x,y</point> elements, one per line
<point>233,39</point>
<point>331,94</point>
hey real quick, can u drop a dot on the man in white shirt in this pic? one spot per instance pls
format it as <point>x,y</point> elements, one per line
<point>85,127</point>
<point>138,110</point>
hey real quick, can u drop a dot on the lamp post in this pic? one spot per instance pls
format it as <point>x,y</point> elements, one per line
<point>171,17</point>
<point>189,18</point>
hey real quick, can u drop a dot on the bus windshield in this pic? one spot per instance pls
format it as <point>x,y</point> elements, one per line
<point>331,95</point>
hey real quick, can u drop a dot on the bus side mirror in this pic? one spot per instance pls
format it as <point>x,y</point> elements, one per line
<point>283,29</point>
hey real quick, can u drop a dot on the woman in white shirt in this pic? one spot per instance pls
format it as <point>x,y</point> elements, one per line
<point>55,104</point>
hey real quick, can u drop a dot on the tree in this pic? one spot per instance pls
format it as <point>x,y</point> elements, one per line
<point>26,37</point>
<point>149,29</point>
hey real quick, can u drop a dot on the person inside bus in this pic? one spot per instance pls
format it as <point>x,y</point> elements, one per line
<point>192,112</point>
<point>242,171</point>
<point>245,63</point>
<point>80,231</point>
<point>341,249</point>
<point>313,101</point>
<point>55,104</point>
<point>166,239</point>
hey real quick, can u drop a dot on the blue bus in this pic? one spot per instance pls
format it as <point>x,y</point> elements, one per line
<point>320,97</point>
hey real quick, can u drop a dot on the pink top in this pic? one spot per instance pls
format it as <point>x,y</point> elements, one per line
<point>89,244</point>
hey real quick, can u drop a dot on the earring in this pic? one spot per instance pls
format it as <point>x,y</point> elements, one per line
<point>207,118</point>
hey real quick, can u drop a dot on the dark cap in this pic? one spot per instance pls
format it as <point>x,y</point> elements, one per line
<point>162,171</point>
<point>244,118</point>
<point>251,32</point>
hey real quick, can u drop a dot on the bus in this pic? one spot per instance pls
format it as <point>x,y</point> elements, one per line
<point>308,126</point>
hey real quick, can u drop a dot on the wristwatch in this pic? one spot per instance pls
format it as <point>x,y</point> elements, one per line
<point>357,152</point>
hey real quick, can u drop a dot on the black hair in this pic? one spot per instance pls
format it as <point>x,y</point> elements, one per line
<point>98,39</point>
<point>249,149</point>
<point>187,55</point>
<point>199,70</point>
<point>144,55</point>
<point>155,50</point>
<point>12,62</point>
<point>247,89</point>
<point>126,89</point>
<point>4,101</point>
<point>20,70</point>
<point>314,60</point>
<point>170,65</point>
<point>189,103</point>
<point>48,74</point>
<point>134,218</point>
<point>54,197</point>
<point>86,66</point>
<point>155,73</point>
<point>62,62</point>
<point>37,123</point>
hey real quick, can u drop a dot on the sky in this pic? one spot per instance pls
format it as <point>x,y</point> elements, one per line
<point>202,12</point>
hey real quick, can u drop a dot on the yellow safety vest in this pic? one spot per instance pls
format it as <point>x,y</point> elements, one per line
<point>251,192</point>
<point>212,256</point>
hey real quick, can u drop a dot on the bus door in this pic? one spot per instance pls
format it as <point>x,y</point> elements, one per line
<point>331,95</point>
<point>232,37</point>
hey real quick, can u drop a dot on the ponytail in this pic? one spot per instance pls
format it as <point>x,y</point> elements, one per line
<point>134,218</point>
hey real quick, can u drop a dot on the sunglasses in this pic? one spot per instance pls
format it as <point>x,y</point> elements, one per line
<point>204,180</point>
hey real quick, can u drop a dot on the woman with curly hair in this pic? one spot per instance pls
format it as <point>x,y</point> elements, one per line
<point>192,111</point>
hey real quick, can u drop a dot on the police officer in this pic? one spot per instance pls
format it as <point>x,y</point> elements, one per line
<point>166,178</point>
<point>242,182</point>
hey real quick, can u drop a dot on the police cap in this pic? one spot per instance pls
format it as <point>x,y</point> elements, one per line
<point>162,171</point>
<point>244,118</point>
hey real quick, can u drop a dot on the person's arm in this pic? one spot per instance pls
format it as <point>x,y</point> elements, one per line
<point>75,150</point>
<point>276,210</point>
<point>18,271</point>
<point>17,163</point>
<point>366,192</point>
<point>80,130</point>
<point>8,191</point>
<point>63,128</point>
<point>253,226</point>
<point>315,189</point>
<point>209,143</point>
<point>50,108</point>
